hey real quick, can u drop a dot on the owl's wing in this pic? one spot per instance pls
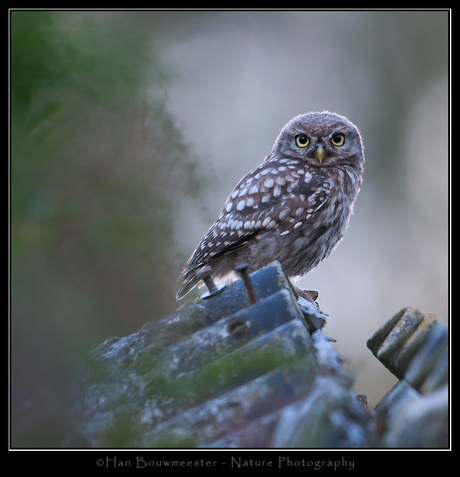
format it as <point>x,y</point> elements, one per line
<point>226,235</point>
<point>272,197</point>
<point>204,254</point>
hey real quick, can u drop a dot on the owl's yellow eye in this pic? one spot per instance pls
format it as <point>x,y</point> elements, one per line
<point>338,139</point>
<point>301,140</point>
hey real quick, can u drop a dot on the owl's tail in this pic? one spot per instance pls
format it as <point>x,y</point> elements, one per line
<point>188,281</point>
<point>187,287</point>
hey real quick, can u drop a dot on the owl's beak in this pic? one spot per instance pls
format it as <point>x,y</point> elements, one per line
<point>320,152</point>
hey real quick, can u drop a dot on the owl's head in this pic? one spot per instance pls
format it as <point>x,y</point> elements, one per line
<point>321,139</point>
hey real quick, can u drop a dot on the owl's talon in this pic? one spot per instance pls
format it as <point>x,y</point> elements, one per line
<point>310,295</point>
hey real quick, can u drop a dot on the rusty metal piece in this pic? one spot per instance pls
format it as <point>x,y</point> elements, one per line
<point>238,327</point>
<point>205,274</point>
<point>242,269</point>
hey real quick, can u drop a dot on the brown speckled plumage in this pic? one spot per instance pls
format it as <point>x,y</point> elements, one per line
<point>293,208</point>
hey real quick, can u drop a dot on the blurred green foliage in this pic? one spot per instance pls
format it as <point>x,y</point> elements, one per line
<point>98,168</point>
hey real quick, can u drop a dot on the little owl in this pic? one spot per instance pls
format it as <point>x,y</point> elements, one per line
<point>293,208</point>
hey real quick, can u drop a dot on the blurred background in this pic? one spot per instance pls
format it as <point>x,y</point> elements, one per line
<point>128,131</point>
